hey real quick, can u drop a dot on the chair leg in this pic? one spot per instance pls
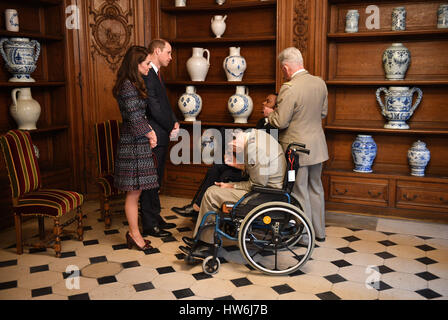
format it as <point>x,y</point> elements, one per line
<point>102,206</point>
<point>80,229</point>
<point>107,215</point>
<point>41,228</point>
<point>57,242</point>
<point>18,223</point>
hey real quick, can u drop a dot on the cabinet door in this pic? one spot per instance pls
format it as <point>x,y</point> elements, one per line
<point>359,191</point>
<point>422,195</point>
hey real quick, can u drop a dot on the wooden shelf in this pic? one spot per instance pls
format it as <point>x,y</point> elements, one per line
<point>384,82</point>
<point>218,124</point>
<point>261,38</point>
<point>31,35</point>
<point>32,84</point>
<point>261,82</point>
<point>49,129</point>
<point>39,2</point>
<point>381,130</point>
<point>225,7</point>
<point>389,35</point>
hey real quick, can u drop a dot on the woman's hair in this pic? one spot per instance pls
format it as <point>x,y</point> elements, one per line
<point>129,70</point>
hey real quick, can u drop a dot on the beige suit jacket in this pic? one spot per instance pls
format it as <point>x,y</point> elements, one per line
<point>264,161</point>
<point>302,104</point>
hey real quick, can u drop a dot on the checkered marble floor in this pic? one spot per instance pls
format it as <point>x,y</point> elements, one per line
<point>353,263</point>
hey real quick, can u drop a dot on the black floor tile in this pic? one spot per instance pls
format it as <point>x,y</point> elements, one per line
<point>387,243</point>
<point>241,282</point>
<point>120,246</point>
<point>283,289</point>
<point>184,293</point>
<point>37,250</point>
<point>384,269</point>
<point>39,268</point>
<point>385,255</point>
<point>143,286</point>
<point>425,247</point>
<point>82,296</point>
<point>335,278</point>
<point>164,270</point>
<point>169,239</point>
<point>328,296</point>
<point>379,285</point>
<point>428,276</point>
<point>41,292</point>
<point>201,276</point>
<point>171,217</point>
<point>426,260</point>
<point>225,298</point>
<point>184,229</point>
<point>8,285</point>
<point>341,263</point>
<point>68,254</point>
<point>346,250</point>
<point>106,280</point>
<point>109,232</point>
<point>351,238</point>
<point>130,264</point>
<point>98,259</point>
<point>428,293</point>
<point>9,263</point>
<point>151,251</point>
<point>296,273</point>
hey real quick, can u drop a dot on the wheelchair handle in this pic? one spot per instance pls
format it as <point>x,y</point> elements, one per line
<point>307,151</point>
<point>301,145</point>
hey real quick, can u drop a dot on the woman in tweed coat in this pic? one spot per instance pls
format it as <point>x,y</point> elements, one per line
<point>134,167</point>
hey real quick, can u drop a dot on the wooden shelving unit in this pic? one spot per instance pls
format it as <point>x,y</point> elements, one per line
<point>354,73</point>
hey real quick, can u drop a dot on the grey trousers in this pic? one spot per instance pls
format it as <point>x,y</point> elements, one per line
<point>213,198</point>
<point>309,191</point>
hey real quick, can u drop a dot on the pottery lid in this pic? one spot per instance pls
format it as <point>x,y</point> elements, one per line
<point>419,145</point>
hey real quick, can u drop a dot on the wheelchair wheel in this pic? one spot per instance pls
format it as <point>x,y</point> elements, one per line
<point>210,265</point>
<point>276,238</point>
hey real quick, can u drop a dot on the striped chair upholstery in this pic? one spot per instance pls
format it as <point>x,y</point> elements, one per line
<point>107,134</point>
<point>25,181</point>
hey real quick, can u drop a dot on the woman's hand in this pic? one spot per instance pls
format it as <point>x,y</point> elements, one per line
<point>152,139</point>
<point>224,185</point>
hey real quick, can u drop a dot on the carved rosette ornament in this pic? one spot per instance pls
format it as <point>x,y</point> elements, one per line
<point>301,25</point>
<point>111,32</point>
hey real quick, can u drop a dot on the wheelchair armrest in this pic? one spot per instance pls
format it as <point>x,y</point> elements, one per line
<point>267,190</point>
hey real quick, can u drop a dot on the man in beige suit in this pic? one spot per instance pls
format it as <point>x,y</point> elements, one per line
<point>265,164</point>
<point>302,104</point>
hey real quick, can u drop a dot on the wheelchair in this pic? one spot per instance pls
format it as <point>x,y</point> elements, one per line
<point>273,234</point>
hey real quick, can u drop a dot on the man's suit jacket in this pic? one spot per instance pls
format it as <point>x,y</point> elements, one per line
<point>302,104</point>
<point>160,115</point>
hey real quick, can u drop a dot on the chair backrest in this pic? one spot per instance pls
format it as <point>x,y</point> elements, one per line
<point>21,162</point>
<point>107,134</point>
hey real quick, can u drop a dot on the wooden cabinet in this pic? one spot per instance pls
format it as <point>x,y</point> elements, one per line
<point>44,21</point>
<point>353,73</point>
<point>252,26</point>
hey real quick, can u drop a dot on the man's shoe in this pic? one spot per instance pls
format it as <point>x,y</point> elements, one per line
<point>191,242</point>
<point>186,211</point>
<point>166,225</point>
<point>156,232</point>
<point>197,253</point>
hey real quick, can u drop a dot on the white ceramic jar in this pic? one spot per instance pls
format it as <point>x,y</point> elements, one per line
<point>24,109</point>
<point>396,61</point>
<point>240,105</point>
<point>198,65</point>
<point>418,157</point>
<point>218,25</point>
<point>234,65</point>
<point>190,104</point>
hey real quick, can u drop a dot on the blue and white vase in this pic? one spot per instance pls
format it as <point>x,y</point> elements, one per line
<point>399,19</point>
<point>351,21</point>
<point>234,65</point>
<point>240,105</point>
<point>363,152</point>
<point>442,16</point>
<point>12,20</point>
<point>396,60</point>
<point>20,55</point>
<point>190,104</point>
<point>418,157</point>
<point>398,107</point>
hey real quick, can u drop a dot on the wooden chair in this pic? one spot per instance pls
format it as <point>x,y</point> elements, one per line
<point>28,197</point>
<point>107,134</point>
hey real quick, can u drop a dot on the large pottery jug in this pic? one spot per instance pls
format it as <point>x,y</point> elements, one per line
<point>197,65</point>
<point>398,107</point>
<point>218,25</point>
<point>234,65</point>
<point>20,55</point>
<point>418,156</point>
<point>363,152</point>
<point>396,60</point>
<point>240,105</point>
<point>24,109</point>
<point>190,104</point>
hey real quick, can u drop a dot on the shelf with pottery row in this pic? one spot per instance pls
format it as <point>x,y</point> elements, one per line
<point>234,6</point>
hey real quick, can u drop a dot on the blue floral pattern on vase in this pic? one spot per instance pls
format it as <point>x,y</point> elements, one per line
<point>20,55</point>
<point>418,157</point>
<point>396,60</point>
<point>364,152</point>
<point>234,65</point>
<point>190,104</point>
<point>240,105</point>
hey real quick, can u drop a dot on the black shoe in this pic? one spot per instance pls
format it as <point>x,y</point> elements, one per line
<point>186,211</point>
<point>156,232</point>
<point>197,253</point>
<point>191,242</point>
<point>166,225</point>
<point>320,239</point>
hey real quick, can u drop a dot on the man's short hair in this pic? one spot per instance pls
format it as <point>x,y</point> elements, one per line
<point>291,55</point>
<point>156,43</point>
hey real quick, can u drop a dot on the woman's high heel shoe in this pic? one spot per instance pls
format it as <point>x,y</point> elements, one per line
<point>131,242</point>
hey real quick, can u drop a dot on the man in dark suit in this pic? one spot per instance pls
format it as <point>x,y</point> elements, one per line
<point>162,119</point>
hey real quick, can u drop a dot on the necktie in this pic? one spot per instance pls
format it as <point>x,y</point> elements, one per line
<point>160,77</point>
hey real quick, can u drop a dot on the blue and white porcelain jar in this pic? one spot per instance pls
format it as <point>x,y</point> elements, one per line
<point>398,107</point>
<point>396,60</point>
<point>20,55</point>
<point>418,157</point>
<point>351,21</point>
<point>234,65</point>
<point>240,105</point>
<point>442,16</point>
<point>399,19</point>
<point>363,152</point>
<point>190,104</point>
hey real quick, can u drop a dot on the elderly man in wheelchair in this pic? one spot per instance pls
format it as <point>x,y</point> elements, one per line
<point>273,234</point>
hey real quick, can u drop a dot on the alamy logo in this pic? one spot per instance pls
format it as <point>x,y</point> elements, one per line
<point>73,281</point>
<point>72,21</point>
<point>373,280</point>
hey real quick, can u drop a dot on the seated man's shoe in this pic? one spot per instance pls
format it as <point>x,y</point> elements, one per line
<point>320,239</point>
<point>166,225</point>
<point>186,211</point>
<point>156,232</point>
<point>191,242</point>
<point>198,253</point>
